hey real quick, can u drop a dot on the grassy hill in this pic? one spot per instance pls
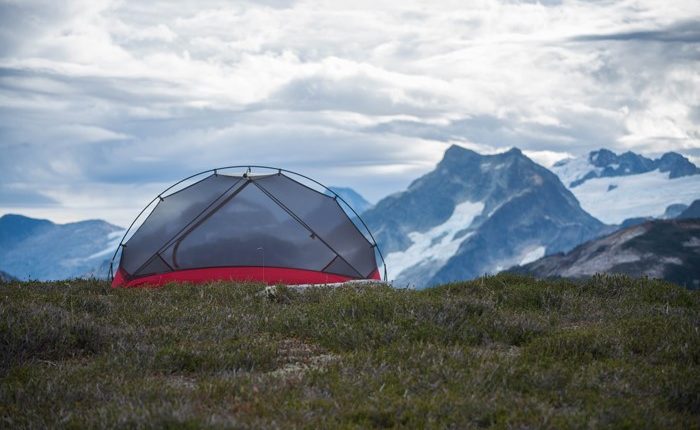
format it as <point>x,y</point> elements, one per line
<point>499,352</point>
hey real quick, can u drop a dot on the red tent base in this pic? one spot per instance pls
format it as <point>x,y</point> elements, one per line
<point>267,275</point>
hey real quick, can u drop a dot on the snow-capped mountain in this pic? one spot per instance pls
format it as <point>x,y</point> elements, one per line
<point>353,198</point>
<point>615,188</point>
<point>477,214</point>
<point>605,163</point>
<point>667,249</point>
<point>39,249</point>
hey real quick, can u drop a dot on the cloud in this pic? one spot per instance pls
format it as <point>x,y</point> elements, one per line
<point>104,103</point>
<point>681,32</point>
<point>81,133</point>
<point>547,158</point>
<point>359,93</point>
<point>17,196</point>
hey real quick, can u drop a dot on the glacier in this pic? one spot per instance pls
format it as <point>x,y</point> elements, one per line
<point>615,199</point>
<point>436,245</point>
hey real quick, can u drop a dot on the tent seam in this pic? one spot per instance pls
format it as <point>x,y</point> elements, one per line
<point>305,225</point>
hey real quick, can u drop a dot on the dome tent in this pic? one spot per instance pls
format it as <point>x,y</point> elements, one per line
<point>266,228</point>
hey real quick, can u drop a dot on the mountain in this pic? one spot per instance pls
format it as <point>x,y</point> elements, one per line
<point>16,228</point>
<point>666,249</point>
<point>671,212</point>
<point>41,250</point>
<point>476,214</point>
<point>6,277</point>
<point>605,163</point>
<point>691,212</point>
<point>614,188</point>
<point>674,210</point>
<point>353,198</point>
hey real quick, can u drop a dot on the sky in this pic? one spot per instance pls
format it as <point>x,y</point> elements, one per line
<point>105,103</point>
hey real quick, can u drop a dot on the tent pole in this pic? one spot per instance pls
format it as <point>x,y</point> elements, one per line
<point>249,168</point>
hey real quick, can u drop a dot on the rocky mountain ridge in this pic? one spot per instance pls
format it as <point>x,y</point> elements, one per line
<point>477,214</point>
<point>606,163</point>
<point>664,249</point>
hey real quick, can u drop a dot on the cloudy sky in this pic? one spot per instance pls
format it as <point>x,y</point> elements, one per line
<point>104,103</point>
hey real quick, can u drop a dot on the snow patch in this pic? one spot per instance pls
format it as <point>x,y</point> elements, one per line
<point>485,167</point>
<point>436,245</point>
<point>573,169</point>
<point>532,254</point>
<point>613,200</point>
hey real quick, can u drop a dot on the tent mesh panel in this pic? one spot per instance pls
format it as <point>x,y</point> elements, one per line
<point>264,221</point>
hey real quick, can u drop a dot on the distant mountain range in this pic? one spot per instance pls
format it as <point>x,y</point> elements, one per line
<point>477,214</point>
<point>353,198</point>
<point>666,249</point>
<point>41,250</point>
<point>473,214</point>
<point>6,277</point>
<point>692,211</point>
<point>624,189</point>
<point>606,164</point>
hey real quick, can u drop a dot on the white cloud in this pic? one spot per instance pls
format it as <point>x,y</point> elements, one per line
<point>547,158</point>
<point>80,133</point>
<point>118,93</point>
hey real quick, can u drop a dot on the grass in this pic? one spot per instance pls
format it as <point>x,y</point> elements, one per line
<point>497,352</point>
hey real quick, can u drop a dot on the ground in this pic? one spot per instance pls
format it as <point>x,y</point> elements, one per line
<point>501,352</point>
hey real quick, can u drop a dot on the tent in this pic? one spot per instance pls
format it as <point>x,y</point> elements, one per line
<point>267,228</point>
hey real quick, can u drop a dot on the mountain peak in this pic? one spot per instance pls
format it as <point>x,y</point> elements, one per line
<point>672,156</point>
<point>457,157</point>
<point>458,154</point>
<point>606,163</point>
<point>458,151</point>
<point>602,157</point>
<point>14,228</point>
<point>677,165</point>
<point>474,214</point>
<point>21,218</point>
